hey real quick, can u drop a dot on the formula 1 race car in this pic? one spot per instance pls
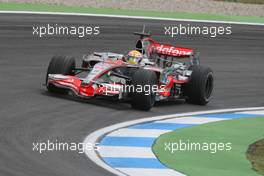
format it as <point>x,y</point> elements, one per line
<point>165,72</point>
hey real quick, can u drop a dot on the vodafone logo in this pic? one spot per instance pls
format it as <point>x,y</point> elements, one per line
<point>173,51</point>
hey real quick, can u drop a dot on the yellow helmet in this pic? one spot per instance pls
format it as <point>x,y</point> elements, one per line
<point>134,57</point>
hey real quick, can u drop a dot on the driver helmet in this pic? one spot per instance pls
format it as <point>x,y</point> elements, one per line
<point>134,57</point>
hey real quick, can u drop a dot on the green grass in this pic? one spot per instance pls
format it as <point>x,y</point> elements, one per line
<point>240,132</point>
<point>61,8</point>
<point>246,1</point>
<point>255,154</point>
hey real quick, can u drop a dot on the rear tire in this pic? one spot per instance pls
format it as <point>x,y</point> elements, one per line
<point>143,100</point>
<point>60,65</point>
<point>200,87</point>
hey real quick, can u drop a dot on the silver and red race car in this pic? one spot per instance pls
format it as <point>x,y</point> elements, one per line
<point>166,72</point>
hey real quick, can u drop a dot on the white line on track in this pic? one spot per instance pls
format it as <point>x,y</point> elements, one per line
<point>130,17</point>
<point>191,120</point>
<point>137,132</point>
<point>255,112</point>
<point>134,152</point>
<point>97,135</point>
<point>150,172</point>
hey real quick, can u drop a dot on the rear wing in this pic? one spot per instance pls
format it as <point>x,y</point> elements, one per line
<point>169,50</point>
<point>165,55</point>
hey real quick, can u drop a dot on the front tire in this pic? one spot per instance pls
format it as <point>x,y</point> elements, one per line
<point>60,65</point>
<point>200,87</point>
<point>143,100</point>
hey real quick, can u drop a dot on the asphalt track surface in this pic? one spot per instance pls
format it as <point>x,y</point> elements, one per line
<point>29,114</point>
